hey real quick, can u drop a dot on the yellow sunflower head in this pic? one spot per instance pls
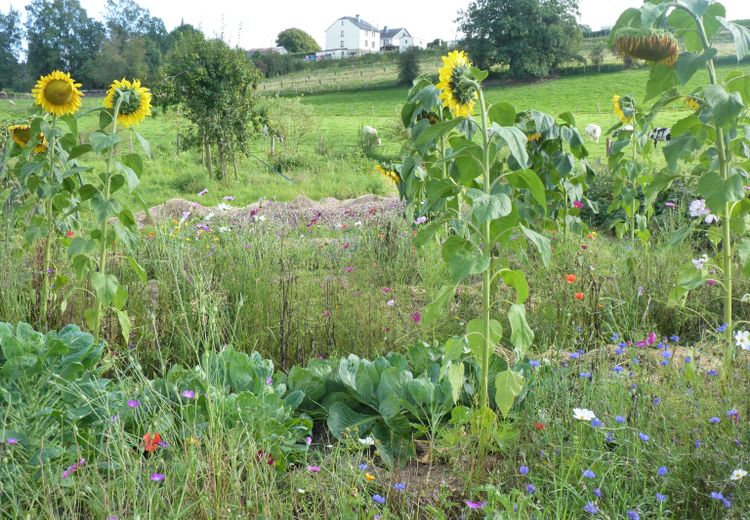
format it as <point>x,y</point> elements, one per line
<point>57,93</point>
<point>454,93</point>
<point>134,101</point>
<point>21,135</point>
<point>624,107</point>
<point>536,136</point>
<point>390,174</point>
<point>692,103</point>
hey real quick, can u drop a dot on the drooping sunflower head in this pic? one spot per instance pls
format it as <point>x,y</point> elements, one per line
<point>454,92</point>
<point>536,136</point>
<point>653,45</point>
<point>624,107</point>
<point>21,135</point>
<point>134,101</point>
<point>389,173</point>
<point>57,93</point>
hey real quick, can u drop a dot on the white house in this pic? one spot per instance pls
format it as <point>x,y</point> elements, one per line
<point>351,36</point>
<point>399,38</point>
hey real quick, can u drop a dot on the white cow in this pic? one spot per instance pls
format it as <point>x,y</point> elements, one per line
<point>369,137</point>
<point>594,132</point>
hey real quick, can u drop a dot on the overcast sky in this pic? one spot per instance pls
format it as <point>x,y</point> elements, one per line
<point>255,24</point>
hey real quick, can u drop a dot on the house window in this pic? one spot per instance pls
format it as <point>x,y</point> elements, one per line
<point>365,43</point>
<point>342,23</point>
<point>342,33</point>
<point>373,44</point>
<point>342,44</point>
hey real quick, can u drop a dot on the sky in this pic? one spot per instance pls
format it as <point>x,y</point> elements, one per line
<point>253,24</point>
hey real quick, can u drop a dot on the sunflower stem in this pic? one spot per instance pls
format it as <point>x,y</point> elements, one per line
<point>50,231</point>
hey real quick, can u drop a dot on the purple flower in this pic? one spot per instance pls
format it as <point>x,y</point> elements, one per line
<point>656,401</point>
<point>378,499</point>
<point>712,372</point>
<point>643,437</point>
<point>698,443</point>
<point>363,466</point>
<point>661,498</point>
<point>596,423</point>
<point>534,363</point>
<point>620,419</point>
<point>574,355</point>
<point>269,380</point>
<point>313,469</point>
<point>610,437</point>
<point>308,440</point>
<point>716,496</point>
<point>633,515</point>
<point>157,477</point>
<point>530,489</point>
<point>615,337</point>
<point>475,505</point>
<point>617,369</point>
<point>651,338</point>
<point>591,508</point>
<point>203,192</point>
<point>348,269</point>
<point>597,492</point>
<point>188,394</point>
<point>589,474</point>
<point>133,403</point>
<point>714,420</point>
<point>674,338</point>
<point>662,471</point>
<point>11,440</point>
<point>416,317</point>
<point>399,486</point>
<point>585,375</point>
<point>420,220</point>
<point>523,470</point>
<point>721,328</point>
<point>229,198</point>
<point>688,359</point>
<point>733,413</point>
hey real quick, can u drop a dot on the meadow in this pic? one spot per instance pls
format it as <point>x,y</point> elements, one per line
<point>278,367</point>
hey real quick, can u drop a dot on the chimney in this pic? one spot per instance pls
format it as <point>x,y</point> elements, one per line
<point>385,28</point>
<point>357,17</point>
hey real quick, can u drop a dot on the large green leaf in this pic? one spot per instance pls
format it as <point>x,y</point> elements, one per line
<point>508,386</point>
<point>541,244</point>
<point>475,335</point>
<point>463,258</point>
<point>688,64</point>
<point>741,36</point>
<point>517,280</point>
<point>106,287</point>
<point>504,114</point>
<point>342,418</point>
<point>456,380</point>
<point>530,180</point>
<point>718,191</point>
<point>436,308</point>
<point>681,148</point>
<point>516,141</point>
<point>521,334</point>
<point>661,79</point>
<point>489,206</point>
<point>726,106</point>
<point>436,131</point>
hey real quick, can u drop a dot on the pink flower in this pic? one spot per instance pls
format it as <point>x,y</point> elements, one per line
<point>348,269</point>
<point>651,338</point>
<point>326,313</point>
<point>391,302</point>
<point>475,505</point>
<point>203,192</point>
<point>578,204</point>
<point>313,469</point>
<point>308,440</point>
<point>416,317</point>
<point>711,282</point>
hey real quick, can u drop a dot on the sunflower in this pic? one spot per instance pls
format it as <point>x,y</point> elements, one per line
<point>691,102</point>
<point>653,45</point>
<point>58,93</point>
<point>391,174</point>
<point>536,136</point>
<point>624,108</point>
<point>458,98</point>
<point>21,134</point>
<point>135,101</point>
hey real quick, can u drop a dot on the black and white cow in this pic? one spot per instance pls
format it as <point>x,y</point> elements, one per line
<point>662,135</point>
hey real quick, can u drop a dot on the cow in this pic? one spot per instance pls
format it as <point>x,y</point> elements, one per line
<point>369,137</point>
<point>594,132</point>
<point>662,135</point>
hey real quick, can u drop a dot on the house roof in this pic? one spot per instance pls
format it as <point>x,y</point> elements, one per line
<point>359,22</point>
<point>390,33</point>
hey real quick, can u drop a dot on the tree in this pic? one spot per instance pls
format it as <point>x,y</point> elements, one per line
<point>596,55</point>
<point>215,86</point>
<point>529,36</point>
<point>11,37</point>
<point>297,41</point>
<point>119,58</point>
<point>408,66</point>
<point>61,36</point>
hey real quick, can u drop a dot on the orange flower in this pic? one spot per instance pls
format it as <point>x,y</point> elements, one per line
<point>539,426</point>
<point>151,442</point>
<point>369,477</point>
<point>579,296</point>
<point>571,278</point>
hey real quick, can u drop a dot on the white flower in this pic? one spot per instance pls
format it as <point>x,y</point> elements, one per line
<point>390,303</point>
<point>339,226</point>
<point>745,298</point>
<point>208,217</point>
<point>224,207</point>
<point>225,229</point>
<point>698,208</point>
<point>698,262</point>
<point>742,339</point>
<point>367,441</point>
<point>711,218</point>
<point>358,223</point>
<point>300,490</point>
<point>261,218</point>
<point>582,414</point>
<point>738,474</point>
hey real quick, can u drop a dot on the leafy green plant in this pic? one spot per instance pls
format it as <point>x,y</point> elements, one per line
<point>714,135</point>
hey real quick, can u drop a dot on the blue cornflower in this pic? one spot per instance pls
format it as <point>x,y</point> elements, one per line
<point>727,503</point>
<point>716,496</point>
<point>523,470</point>
<point>643,437</point>
<point>591,507</point>
<point>636,361</point>
<point>610,437</point>
<point>617,369</point>
<point>622,344</point>
<point>530,489</point>
<point>667,354</point>
<point>399,486</point>
<point>656,401</point>
<point>733,412</point>
<point>363,466</point>
<point>534,363</point>
<point>721,328</point>
<point>585,374</point>
<point>633,515</point>
<point>597,492</point>
<point>596,423</point>
<point>574,355</point>
<point>662,471</point>
<point>698,443</point>
<point>620,419</point>
<point>661,498</point>
<point>714,420</point>
<point>688,359</point>
<point>712,373</point>
<point>589,474</point>
<point>674,338</point>
<point>379,499</point>
<point>615,337</point>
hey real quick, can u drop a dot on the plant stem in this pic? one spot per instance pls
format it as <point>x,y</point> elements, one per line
<point>50,231</point>
<point>487,250</point>
<point>726,240</point>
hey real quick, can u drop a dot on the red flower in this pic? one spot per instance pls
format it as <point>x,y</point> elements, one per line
<point>267,456</point>
<point>151,442</point>
<point>70,234</point>
<point>539,426</point>
<point>571,278</point>
<point>579,296</point>
<point>578,204</point>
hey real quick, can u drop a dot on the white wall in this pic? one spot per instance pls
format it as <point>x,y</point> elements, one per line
<point>354,38</point>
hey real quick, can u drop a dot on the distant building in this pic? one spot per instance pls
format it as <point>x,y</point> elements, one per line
<point>352,36</point>
<point>267,50</point>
